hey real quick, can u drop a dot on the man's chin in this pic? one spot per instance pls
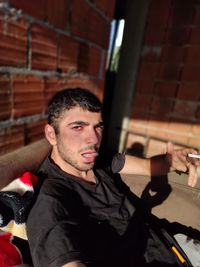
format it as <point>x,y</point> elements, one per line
<point>87,166</point>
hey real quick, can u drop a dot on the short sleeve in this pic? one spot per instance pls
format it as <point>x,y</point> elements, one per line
<point>117,163</point>
<point>54,237</point>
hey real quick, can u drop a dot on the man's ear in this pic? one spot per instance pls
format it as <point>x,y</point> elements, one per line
<point>50,134</point>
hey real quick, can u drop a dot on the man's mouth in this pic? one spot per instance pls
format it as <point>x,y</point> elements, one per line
<point>89,156</point>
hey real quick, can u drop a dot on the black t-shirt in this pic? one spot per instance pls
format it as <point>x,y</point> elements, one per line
<point>96,224</point>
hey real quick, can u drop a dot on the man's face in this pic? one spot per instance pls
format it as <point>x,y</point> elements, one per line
<point>78,140</point>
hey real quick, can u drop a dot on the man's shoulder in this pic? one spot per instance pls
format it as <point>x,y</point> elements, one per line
<point>50,173</point>
<point>111,162</point>
<point>44,166</point>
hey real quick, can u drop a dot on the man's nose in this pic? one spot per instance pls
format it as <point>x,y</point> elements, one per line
<point>92,137</point>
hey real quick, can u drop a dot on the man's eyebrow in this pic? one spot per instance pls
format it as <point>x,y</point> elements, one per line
<point>100,124</point>
<point>78,123</point>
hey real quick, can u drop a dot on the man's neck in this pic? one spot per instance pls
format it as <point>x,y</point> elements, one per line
<point>87,176</point>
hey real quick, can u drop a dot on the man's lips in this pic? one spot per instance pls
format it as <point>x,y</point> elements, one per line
<point>90,155</point>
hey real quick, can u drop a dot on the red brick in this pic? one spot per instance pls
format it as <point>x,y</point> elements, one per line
<point>52,86</point>
<point>160,5</point>
<point>165,89</point>
<point>5,97</point>
<point>156,127</point>
<point>178,137</point>
<point>195,36</point>
<point>184,109</point>
<point>81,19</point>
<point>98,22</point>
<point>43,48</point>
<point>140,129</point>
<point>81,24</point>
<point>138,115</point>
<point>67,54</point>
<point>197,113</point>
<point>89,59</point>
<point>103,66</point>
<point>99,89</point>
<point>197,16</point>
<point>79,81</point>
<point>191,73</point>
<point>196,129</point>
<point>145,86</point>
<point>154,37</point>
<point>106,28</point>
<point>34,131</point>
<point>180,125</point>
<point>162,106</point>
<point>177,36</point>
<point>158,13</point>
<point>36,8</point>
<point>169,72</point>
<point>83,82</point>
<point>194,141</point>
<point>147,71</point>
<point>58,12</point>
<point>189,91</point>
<point>13,27</point>
<point>108,7</point>
<point>142,101</point>
<point>138,124</point>
<point>151,54</point>
<point>28,95</point>
<point>11,139</point>
<point>13,42</point>
<point>173,54</point>
<point>182,13</point>
<point>193,55</point>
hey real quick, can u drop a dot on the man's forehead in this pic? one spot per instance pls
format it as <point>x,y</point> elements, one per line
<point>79,114</point>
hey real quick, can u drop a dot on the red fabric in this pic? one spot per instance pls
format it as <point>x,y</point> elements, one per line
<point>29,179</point>
<point>9,254</point>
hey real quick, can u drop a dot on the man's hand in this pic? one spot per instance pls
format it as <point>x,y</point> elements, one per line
<point>179,161</point>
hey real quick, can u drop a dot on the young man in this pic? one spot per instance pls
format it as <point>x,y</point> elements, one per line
<point>85,215</point>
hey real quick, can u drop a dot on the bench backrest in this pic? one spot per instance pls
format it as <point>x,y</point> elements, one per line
<point>27,158</point>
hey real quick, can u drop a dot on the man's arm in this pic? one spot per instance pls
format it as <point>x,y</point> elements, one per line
<point>173,160</point>
<point>74,264</point>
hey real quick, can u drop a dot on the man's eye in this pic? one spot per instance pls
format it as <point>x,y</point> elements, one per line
<point>99,128</point>
<point>77,128</point>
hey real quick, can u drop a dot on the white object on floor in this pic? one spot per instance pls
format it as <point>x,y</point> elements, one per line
<point>191,249</point>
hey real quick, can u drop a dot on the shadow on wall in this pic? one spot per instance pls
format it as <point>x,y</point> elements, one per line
<point>137,149</point>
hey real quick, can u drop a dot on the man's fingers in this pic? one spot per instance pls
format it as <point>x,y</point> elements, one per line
<point>192,179</point>
<point>180,161</point>
<point>170,148</point>
<point>182,156</point>
<point>193,160</point>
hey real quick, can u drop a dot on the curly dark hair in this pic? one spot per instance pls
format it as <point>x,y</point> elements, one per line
<point>68,99</point>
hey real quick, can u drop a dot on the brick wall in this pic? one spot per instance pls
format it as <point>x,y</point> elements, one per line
<point>166,104</point>
<point>47,45</point>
